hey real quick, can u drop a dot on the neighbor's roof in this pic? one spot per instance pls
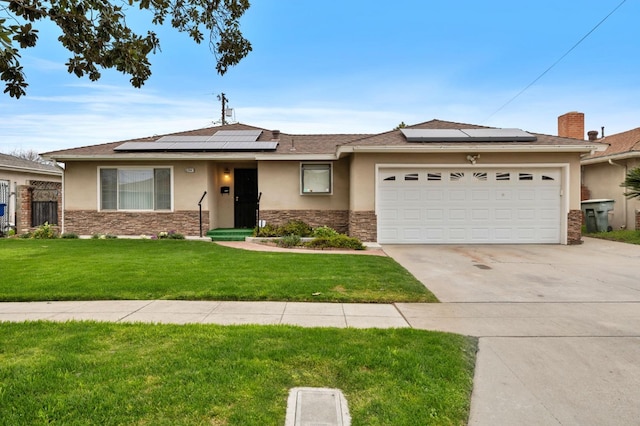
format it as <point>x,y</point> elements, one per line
<point>13,163</point>
<point>321,146</point>
<point>620,145</point>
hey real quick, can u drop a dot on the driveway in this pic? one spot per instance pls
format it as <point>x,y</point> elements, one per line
<point>559,327</point>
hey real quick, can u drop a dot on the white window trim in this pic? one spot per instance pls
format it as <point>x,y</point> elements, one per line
<point>326,163</point>
<point>99,194</point>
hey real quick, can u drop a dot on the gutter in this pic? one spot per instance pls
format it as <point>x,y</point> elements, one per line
<point>614,157</point>
<point>439,148</point>
<point>30,170</point>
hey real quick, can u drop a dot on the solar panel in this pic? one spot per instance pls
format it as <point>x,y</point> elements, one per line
<point>222,140</point>
<point>467,135</point>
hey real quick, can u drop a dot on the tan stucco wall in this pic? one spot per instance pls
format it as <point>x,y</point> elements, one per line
<point>279,182</point>
<point>364,168</point>
<point>81,183</point>
<point>603,181</point>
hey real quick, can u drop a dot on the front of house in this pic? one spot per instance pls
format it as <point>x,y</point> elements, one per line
<point>436,182</point>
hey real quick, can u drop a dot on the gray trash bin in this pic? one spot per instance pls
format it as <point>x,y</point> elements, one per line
<point>2,207</point>
<point>596,213</point>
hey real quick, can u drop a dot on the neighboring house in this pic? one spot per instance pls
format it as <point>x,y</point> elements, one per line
<point>434,182</point>
<point>603,172</point>
<point>31,191</point>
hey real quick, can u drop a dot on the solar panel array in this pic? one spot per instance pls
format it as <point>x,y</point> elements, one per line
<point>222,140</point>
<point>467,135</point>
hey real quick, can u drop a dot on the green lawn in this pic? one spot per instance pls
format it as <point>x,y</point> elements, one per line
<point>80,373</point>
<point>624,235</point>
<point>174,269</point>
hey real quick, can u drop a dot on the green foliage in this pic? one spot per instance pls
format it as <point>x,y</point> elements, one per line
<point>171,235</point>
<point>324,232</point>
<point>44,232</point>
<point>295,227</point>
<point>336,241</point>
<point>628,236</point>
<point>290,240</point>
<point>88,269</point>
<point>632,183</point>
<point>69,236</point>
<point>104,237</point>
<point>99,373</point>
<point>96,34</point>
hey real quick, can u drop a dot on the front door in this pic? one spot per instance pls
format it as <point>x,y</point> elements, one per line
<point>246,197</point>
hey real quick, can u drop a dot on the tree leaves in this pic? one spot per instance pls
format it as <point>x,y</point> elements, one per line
<point>632,183</point>
<point>95,32</point>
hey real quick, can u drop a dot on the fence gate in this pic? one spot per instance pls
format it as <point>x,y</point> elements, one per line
<point>44,207</point>
<point>4,199</point>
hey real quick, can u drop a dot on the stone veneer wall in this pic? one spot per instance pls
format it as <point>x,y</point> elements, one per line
<point>574,227</point>
<point>363,225</point>
<point>89,222</point>
<point>336,219</point>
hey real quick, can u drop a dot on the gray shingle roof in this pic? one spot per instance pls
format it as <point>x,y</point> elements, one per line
<point>13,162</point>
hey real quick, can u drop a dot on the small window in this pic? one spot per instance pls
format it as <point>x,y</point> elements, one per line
<point>390,178</point>
<point>503,176</point>
<point>525,176</point>
<point>456,176</point>
<point>545,177</point>
<point>411,176</point>
<point>434,176</point>
<point>315,178</point>
<point>481,176</point>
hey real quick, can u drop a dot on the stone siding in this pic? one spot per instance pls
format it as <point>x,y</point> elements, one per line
<point>336,219</point>
<point>363,225</point>
<point>574,227</point>
<point>89,222</point>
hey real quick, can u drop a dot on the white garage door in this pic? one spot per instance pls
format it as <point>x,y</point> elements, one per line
<point>469,205</point>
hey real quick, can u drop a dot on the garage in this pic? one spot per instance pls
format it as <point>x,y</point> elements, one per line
<point>469,205</point>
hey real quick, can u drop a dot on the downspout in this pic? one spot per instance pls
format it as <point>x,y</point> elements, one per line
<point>624,200</point>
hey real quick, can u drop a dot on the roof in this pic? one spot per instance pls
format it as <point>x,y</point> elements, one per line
<point>620,145</point>
<point>320,146</point>
<point>11,162</point>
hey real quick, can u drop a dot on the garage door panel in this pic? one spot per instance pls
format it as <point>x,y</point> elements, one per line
<point>463,206</point>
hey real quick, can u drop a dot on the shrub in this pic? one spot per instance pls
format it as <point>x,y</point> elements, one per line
<point>290,240</point>
<point>104,237</point>
<point>296,227</point>
<point>44,232</point>
<point>26,235</point>
<point>337,241</point>
<point>171,235</point>
<point>324,232</point>
<point>69,236</point>
<point>266,231</point>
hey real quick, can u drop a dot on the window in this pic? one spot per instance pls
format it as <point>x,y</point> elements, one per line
<point>525,176</point>
<point>503,176</point>
<point>135,189</point>
<point>434,176</point>
<point>481,176</point>
<point>456,176</point>
<point>315,178</point>
<point>411,176</point>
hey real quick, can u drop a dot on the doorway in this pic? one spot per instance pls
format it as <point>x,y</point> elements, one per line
<point>246,197</point>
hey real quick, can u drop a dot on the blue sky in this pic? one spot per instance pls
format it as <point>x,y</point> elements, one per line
<point>353,67</point>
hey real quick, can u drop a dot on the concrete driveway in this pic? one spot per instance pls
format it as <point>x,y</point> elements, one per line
<point>559,327</point>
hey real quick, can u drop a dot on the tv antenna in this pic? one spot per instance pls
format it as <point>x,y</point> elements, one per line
<point>227,113</point>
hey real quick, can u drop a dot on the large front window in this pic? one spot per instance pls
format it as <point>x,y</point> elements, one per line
<point>135,189</point>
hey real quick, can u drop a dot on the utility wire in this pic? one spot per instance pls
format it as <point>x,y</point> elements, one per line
<point>556,62</point>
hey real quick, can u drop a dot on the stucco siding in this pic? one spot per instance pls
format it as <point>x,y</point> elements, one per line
<point>279,182</point>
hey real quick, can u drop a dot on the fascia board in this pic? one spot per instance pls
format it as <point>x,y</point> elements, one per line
<point>614,157</point>
<point>32,171</point>
<point>433,148</point>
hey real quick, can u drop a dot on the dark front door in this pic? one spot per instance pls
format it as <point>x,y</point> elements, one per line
<point>245,183</point>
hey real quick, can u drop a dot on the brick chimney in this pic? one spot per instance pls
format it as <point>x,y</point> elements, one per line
<point>571,125</point>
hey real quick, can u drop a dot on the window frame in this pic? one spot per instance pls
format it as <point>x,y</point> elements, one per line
<point>151,168</point>
<point>329,165</point>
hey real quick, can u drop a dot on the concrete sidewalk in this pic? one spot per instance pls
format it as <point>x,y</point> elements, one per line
<point>204,312</point>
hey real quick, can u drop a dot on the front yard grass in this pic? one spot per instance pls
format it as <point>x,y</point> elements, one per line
<point>195,270</point>
<point>79,373</point>
<point>622,235</point>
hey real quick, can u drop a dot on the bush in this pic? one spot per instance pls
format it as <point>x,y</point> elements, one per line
<point>287,241</point>
<point>104,237</point>
<point>296,227</point>
<point>26,235</point>
<point>44,232</point>
<point>69,236</point>
<point>171,235</point>
<point>337,241</point>
<point>324,232</point>
<point>293,227</point>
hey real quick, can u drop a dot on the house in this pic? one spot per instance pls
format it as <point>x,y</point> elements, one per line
<point>604,171</point>
<point>434,182</point>
<point>31,192</point>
